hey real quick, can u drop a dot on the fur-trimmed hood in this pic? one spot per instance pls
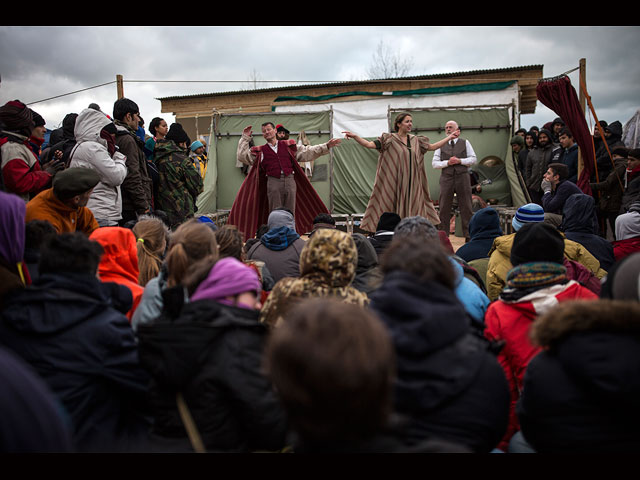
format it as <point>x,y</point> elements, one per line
<point>611,316</point>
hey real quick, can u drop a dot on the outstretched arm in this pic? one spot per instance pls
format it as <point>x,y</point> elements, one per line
<point>361,141</point>
<point>244,155</point>
<point>308,153</point>
<point>437,145</point>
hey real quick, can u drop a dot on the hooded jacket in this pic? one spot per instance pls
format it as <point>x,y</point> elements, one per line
<point>448,384</point>
<point>211,353</point>
<point>500,262</point>
<point>610,190</point>
<point>602,155</point>
<point>580,224</point>
<point>627,233</point>
<point>510,320</point>
<point>328,265</point>
<point>484,227</point>
<point>581,392</point>
<point>70,328</point>
<point>91,152</point>
<point>368,274</point>
<point>119,262</point>
<point>20,167</point>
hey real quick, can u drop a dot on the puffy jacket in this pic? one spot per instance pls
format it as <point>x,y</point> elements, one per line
<point>510,322</point>
<point>21,172</point>
<point>91,152</point>
<point>500,262</point>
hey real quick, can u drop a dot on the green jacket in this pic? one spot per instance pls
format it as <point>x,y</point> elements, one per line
<point>179,183</point>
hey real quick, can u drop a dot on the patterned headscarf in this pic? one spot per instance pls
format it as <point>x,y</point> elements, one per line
<point>333,255</point>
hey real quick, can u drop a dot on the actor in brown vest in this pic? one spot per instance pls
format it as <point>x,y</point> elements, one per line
<point>454,159</point>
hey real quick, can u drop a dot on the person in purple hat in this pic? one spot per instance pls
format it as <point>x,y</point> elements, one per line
<point>13,272</point>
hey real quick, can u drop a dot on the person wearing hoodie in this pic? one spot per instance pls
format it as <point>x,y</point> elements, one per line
<point>328,265</point>
<point>608,192</point>
<point>119,263</point>
<point>484,227</point>
<point>449,385</point>
<point>580,224</point>
<point>280,247</point>
<point>71,328</point>
<point>368,274</point>
<point>580,264</point>
<point>96,149</point>
<point>537,283</point>
<point>384,231</point>
<point>65,143</point>
<point>208,354</point>
<point>627,233</point>
<point>537,163</point>
<point>581,392</point>
<point>20,170</point>
<point>612,139</point>
<point>179,183</point>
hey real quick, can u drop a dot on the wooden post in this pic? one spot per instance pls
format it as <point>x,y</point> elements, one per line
<point>120,86</point>
<point>583,105</point>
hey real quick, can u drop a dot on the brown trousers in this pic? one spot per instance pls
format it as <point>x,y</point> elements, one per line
<point>459,183</point>
<point>281,193</point>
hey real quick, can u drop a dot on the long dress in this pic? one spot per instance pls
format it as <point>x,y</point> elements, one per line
<point>401,182</point>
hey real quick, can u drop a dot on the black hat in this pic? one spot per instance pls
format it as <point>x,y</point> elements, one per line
<point>37,119</point>
<point>74,181</point>
<point>388,221</point>
<point>177,134</point>
<point>537,242</point>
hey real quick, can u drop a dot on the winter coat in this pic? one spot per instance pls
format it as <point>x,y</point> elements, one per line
<point>484,227</point>
<point>71,329</point>
<point>91,152</point>
<point>510,321</point>
<point>368,274</point>
<point>448,384</point>
<point>151,302</point>
<point>553,202</point>
<point>328,265</point>
<point>380,241</point>
<point>46,206</point>
<point>537,163</point>
<point>569,157</point>
<point>627,233</point>
<point>20,167</point>
<point>610,190</point>
<point>603,159</point>
<point>581,393</point>
<point>211,354</point>
<point>179,183</point>
<point>137,187</point>
<point>500,262</point>
<point>580,224</point>
<point>280,250</point>
<point>119,263</point>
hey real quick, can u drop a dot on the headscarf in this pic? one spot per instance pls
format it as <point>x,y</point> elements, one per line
<point>331,255</point>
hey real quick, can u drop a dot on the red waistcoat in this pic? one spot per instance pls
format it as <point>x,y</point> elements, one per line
<point>277,164</point>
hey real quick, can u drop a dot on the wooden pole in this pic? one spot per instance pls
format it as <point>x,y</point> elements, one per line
<point>583,105</point>
<point>120,86</point>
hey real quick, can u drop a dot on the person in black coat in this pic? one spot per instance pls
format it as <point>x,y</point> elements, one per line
<point>484,228</point>
<point>581,393</point>
<point>449,384</point>
<point>580,224</point>
<point>72,329</point>
<point>209,351</point>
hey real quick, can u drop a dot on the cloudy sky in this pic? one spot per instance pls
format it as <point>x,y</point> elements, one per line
<point>39,63</point>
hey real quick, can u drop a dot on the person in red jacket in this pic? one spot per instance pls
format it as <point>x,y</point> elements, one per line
<point>536,284</point>
<point>119,264</point>
<point>20,141</point>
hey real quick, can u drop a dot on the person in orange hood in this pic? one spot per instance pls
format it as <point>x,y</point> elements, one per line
<point>119,264</point>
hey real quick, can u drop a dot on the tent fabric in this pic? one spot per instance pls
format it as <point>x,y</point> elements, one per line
<point>631,132</point>
<point>559,95</point>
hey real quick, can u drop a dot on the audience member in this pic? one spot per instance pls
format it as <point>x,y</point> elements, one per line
<point>609,191</point>
<point>328,265</point>
<point>623,280</point>
<point>280,247</point>
<point>152,238</point>
<point>631,181</point>
<point>484,227</point>
<point>137,185</point>
<point>21,172</point>
<point>119,262</point>
<point>627,233</point>
<point>64,144</point>
<point>536,283</point>
<point>384,231</point>
<point>468,398</point>
<point>368,274</point>
<point>36,232</point>
<point>519,153</point>
<point>569,154</point>
<point>158,129</point>
<point>192,241</point>
<point>557,188</point>
<point>580,393</point>
<point>71,329</point>
<point>207,354</point>
<point>322,220</point>
<point>537,164</point>
<point>14,274</point>
<point>96,149</point>
<point>65,204</point>
<point>179,183</point>
<point>580,224</point>
<point>198,157</point>
<point>612,139</point>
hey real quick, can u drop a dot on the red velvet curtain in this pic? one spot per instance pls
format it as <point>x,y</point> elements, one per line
<point>559,95</point>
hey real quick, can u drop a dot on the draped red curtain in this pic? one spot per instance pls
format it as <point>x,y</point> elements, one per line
<point>559,95</point>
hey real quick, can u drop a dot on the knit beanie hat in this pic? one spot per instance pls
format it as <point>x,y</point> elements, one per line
<point>518,140</point>
<point>388,222</point>
<point>537,242</point>
<point>74,181</point>
<point>16,116</point>
<point>531,212</point>
<point>177,134</point>
<point>37,119</point>
<point>196,145</point>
